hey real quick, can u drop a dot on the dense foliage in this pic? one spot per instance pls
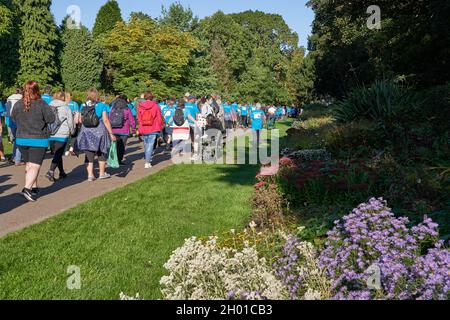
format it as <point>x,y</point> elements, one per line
<point>140,54</point>
<point>38,42</point>
<point>9,47</point>
<point>412,44</point>
<point>107,17</point>
<point>81,62</point>
<point>246,56</point>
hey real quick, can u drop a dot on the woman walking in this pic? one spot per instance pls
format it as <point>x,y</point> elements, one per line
<point>150,126</point>
<point>32,117</point>
<point>61,137</point>
<point>122,123</point>
<point>95,135</point>
<point>75,108</point>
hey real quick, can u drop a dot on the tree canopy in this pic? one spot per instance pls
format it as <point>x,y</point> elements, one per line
<point>107,17</point>
<point>81,62</point>
<point>37,45</point>
<point>412,45</point>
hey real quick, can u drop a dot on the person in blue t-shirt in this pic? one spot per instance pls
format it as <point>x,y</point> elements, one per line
<point>257,119</point>
<point>2,113</point>
<point>168,112</point>
<point>244,111</point>
<point>228,116</point>
<point>47,96</point>
<point>192,111</point>
<point>94,141</point>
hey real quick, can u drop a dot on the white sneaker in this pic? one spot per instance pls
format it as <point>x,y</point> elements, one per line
<point>67,153</point>
<point>148,165</point>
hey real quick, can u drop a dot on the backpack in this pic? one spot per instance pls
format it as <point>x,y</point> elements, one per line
<point>89,118</point>
<point>148,118</point>
<point>215,106</point>
<point>54,127</point>
<point>178,117</point>
<point>117,118</point>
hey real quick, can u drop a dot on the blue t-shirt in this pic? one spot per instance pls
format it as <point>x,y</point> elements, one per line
<point>192,110</point>
<point>168,112</point>
<point>47,98</point>
<point>253,108</point>
<point>257,117</point>
<point>235,107</point>
<point>133,109</point>
<point>227,108</point>
<point>244,111</point>
<point>99,109</point>
<point>162,105</point>
<point>74,107</point>
<point>2,109</point>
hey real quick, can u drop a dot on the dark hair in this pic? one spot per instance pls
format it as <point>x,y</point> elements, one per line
<point>31,93</point>
<point>148,95</point>
<point>19,90</point>
<point>181,103</point>
<point>48,90</point>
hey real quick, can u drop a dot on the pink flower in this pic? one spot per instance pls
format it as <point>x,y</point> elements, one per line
<point>260,184</point>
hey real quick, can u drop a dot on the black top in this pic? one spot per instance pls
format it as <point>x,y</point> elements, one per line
<point>32,124</point>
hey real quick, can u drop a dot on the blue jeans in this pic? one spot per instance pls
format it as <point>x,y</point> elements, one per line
<point>149,142</point>
<point>17,156</point>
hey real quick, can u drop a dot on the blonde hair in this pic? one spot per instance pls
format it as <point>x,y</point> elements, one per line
<point>92,95</point>
<point>68,97</point>
<point>59,95</point>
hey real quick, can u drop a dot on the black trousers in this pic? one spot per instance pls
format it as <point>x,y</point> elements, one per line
<point>121,146</point>
<point>58,153</point>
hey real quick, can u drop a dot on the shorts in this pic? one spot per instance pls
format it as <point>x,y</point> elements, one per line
<point>90,156</point>
<point>33,155</point>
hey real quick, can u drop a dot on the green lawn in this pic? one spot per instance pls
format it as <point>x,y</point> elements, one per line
<point>121,240</point>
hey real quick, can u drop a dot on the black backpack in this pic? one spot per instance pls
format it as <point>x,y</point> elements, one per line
<point>178,117</point>
<point>117,118</point>
<point>54,127</point>
<point>89,117</point>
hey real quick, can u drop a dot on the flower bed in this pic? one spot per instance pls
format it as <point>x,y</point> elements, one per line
<point>370,254</point>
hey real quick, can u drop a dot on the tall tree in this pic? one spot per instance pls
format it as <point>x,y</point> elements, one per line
<point>143,55</point>
<point>38,42</point>
<point>179,17</point>
<point>301,76</point>
<point>412,45</point>
<point>81,62</point>
<point>9,45</point>
<point>107,17</point>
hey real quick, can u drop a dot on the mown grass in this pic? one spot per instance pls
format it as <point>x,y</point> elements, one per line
<point>121,240</point>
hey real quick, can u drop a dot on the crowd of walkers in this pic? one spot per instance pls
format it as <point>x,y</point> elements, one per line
<point>38,122</point>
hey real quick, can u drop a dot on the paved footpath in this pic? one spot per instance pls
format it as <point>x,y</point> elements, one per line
<point>16,213</point>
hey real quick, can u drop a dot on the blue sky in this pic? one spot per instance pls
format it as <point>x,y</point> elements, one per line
<point>295,12</point>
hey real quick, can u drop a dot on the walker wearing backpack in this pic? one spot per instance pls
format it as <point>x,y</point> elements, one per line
<point>117,117</point>
<point>54,127</point>
<point>89,117</point>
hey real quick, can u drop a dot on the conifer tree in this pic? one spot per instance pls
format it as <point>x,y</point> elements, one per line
<point>107,17</point>
<point>37,45</point>
<point>81,62</point>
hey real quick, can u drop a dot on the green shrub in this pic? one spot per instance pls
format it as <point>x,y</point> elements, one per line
<point>384,101</point>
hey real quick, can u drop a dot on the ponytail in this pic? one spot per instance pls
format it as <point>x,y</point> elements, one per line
<point>31,93</point>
